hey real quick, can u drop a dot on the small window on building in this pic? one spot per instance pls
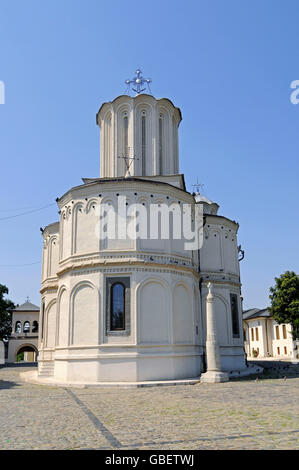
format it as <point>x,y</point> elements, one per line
<point>26,328</point>
<point>18,327</point>
<point>285,350</point>
<point>235,315</point>
<point>117,309</point>
<point>252,334</point>
<point>284,331</point>
<point>161,150</point>
<point>125,136</point>
<point>278,351</point>
<point>257,334</point>
<point>35,327</point>
<point>143,144</point>
<point>118,305</point>
<point>277,332</point>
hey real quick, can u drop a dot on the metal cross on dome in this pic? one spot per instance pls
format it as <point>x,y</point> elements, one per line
<point>198,186</point>
<point>128,162</point>
<point>138,81</point>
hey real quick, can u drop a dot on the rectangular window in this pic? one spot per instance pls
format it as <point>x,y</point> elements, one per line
<point>284,331</point>
<point>252,334</point>
<point>285,350</point>
<point>277,332</point>
<point>278,351</point>
<point>118,306</point>
<point>257,334</point>
<point>235,315</point>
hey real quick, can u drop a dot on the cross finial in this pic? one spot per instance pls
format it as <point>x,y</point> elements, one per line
<point>198,186</point>
<point>27,299</point>
<point>138,82</point>
<point>128,162</point>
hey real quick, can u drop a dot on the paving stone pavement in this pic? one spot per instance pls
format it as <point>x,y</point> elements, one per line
<point>242,414</point>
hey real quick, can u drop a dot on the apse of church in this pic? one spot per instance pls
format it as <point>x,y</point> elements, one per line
<point>134,309</point>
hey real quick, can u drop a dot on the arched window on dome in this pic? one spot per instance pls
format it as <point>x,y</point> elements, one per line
<point>143,143</point>
<point>26,327</point>
<point>35,326</point>
<point>18,327</point>
<point>125,135</point>
<point>161,149</point>
<point>117,308</point>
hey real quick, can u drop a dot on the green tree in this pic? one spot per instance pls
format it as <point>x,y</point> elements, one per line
<point>285,300</point>
<point>6,307</point>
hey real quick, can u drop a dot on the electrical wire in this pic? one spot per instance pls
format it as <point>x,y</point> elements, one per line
<point>28,212</point>
<point>18,265</point>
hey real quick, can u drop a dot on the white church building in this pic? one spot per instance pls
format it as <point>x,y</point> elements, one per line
<point>125,309</point>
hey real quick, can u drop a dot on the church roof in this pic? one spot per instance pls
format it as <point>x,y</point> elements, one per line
<point>201,198</point>
<point>27,307</point>
<point>256,313</point>
<point>122,179</point>
<point>138,97</point>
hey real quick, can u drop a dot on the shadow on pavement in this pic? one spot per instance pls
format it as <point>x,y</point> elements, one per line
<point>6,384</point>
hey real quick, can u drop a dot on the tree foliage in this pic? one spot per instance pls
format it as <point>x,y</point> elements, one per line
<point>6,307</point>
<point>285,300</point>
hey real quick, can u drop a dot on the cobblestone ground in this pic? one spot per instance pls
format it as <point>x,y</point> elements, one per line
<point>241,414</point>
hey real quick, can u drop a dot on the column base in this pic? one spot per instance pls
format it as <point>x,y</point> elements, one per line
<point>214,377</point>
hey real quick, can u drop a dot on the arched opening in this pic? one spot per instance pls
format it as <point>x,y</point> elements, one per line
<point>35,327</point>
<point>26,327</point>
<point>18,327</point>
<point>26,353</point>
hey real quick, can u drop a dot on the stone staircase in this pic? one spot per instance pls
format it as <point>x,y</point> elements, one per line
<point>46,368</point>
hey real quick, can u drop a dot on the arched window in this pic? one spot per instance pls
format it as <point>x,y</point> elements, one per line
<point>143,143</point>
<point>35,326</point>
<point>26,328</point>
<point>117,318</point>
<point>125,135</point>
<point>18,327</point>
<point>161,150</point>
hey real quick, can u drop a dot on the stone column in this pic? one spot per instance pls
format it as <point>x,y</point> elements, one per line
<point>214,373</point>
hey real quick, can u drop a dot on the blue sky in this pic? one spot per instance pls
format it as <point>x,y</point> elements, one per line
<point>227,65</point>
